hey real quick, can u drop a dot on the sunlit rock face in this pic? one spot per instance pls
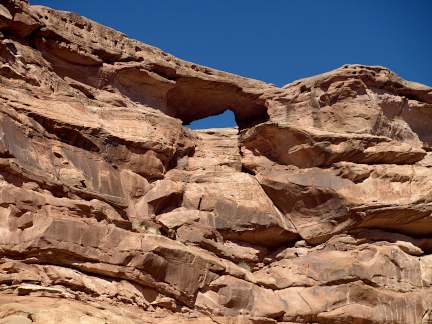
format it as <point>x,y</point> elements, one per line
<point>315,209</point>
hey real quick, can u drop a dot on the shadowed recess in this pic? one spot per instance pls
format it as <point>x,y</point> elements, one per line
<point>192,99</point>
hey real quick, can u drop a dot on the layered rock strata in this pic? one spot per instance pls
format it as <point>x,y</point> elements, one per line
<point>315,209</point>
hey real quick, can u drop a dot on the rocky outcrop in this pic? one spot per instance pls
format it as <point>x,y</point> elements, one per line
<point>315,209</point>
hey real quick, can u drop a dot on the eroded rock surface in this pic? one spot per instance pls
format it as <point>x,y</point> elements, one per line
<point>315,209</point>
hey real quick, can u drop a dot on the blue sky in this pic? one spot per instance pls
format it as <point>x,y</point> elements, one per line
<point>275,41</point>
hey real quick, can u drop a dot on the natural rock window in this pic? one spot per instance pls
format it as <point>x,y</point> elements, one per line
<point>226,119</point>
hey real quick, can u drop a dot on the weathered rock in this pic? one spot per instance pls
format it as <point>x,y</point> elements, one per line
<point>16,313</point>
<point>165,194</point>
<point>147,255</point>
<point>358,99</point>
<point>5,17</point>
<point>306,147</point>
<point>316,208</point>
<point>313,304</point>
<point>16,319</point>
<point>321,203</point>
<point>240,208</point>
<point>381,265</point>
<point>217,149</point>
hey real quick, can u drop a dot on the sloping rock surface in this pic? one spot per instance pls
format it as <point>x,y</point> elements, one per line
<point>317,208</point>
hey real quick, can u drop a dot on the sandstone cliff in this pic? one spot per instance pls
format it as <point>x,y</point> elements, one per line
<point>316,209</point>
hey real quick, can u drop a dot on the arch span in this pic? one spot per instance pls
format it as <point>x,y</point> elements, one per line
<point>192,99</point>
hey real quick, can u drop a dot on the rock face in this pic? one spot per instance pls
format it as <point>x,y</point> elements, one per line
<point>315,209</point>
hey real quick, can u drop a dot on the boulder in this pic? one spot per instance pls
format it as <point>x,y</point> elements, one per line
<point>241,210</point>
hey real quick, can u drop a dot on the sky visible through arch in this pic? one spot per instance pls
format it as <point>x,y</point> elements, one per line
<point>275,41</point>
<point>225,119</point>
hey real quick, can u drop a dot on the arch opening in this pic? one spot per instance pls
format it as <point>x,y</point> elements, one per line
<point>223,120</point>
<point>194,99</point>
